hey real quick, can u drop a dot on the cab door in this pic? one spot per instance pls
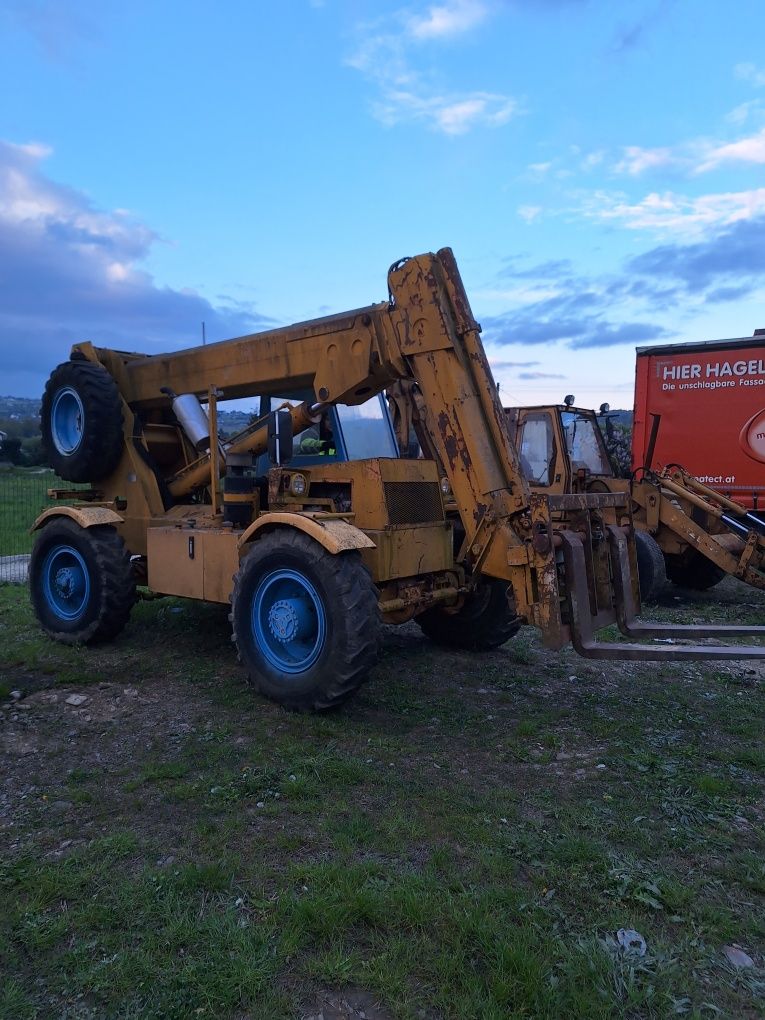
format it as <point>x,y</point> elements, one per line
<point>539,448</point>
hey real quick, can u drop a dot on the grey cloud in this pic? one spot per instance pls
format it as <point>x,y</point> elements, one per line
<point>633,35</point>
<point>540,375</point>
<point>725,266</point>
<point>57,28</point>
<point>735,252</point>
<point>553,269</point>
<point>69,272</point>
<point>502,365</point>
<point>732,293</point>
<point>538,324</point>
<point>605,334</point>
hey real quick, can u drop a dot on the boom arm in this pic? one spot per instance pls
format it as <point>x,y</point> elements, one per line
<point>426,333</point>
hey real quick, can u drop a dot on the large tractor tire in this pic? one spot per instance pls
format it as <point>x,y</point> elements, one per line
<point>652,573</point>
<point>486,620</point>
<point>306,624</point>
<point>81,582</point>
<point>81,422</point>
<point>692,570</point>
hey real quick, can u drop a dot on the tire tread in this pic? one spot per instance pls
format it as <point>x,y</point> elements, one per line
<point>358,598</point>
<point>117,590</point>
<point>102,444</point>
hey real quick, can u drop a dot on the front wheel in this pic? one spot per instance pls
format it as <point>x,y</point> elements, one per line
<point>693,570</point>
<point>306,623</point>
<point>81,582</point>
<point>486,620</point>
<point>652,574</point>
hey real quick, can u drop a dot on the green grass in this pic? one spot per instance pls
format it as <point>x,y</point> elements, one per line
<point>447,843</point>
<point>23,495</point>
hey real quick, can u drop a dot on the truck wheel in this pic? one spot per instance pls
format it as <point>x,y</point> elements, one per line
<point>693,570</point>
<point>81,582</point>
<point>652,573</point>
<point>486,621</point>
<point>81,422</point>
<point>306,623</point>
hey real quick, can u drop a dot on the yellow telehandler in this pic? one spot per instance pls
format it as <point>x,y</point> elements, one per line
<point>314,558</point>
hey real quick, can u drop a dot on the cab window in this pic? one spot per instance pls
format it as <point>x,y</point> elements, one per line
<point>537,449</point>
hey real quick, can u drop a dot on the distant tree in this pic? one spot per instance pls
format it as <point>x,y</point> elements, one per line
<point>20,428</point>
<point>619,445</point>
<point>32,452</point>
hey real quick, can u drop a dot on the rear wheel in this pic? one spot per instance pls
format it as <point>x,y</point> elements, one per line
<point>306,623</point>
<point>652,573</point>
<point>81,582</point>
<point>692,570</point>
<point>81,422</point>
<point>486,620</point>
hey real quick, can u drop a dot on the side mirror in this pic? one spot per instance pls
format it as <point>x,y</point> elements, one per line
<point>280,437</point>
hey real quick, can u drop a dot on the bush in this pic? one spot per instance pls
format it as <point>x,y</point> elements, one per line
<point>10,449</point>
<point>33,452</point>
<point>619,445</point>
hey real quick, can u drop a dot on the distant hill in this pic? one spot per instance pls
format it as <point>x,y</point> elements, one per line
<point>17,408</point>
<point>231,422</point>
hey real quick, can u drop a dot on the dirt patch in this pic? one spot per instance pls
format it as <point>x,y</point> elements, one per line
<point>348,1005</point>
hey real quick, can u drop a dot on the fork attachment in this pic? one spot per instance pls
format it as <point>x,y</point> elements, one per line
<point>584,623</point>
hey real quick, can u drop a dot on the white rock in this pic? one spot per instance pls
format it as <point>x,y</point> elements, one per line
<point>737,957</point>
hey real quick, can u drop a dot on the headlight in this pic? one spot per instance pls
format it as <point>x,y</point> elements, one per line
<point>298,485</point>
<point>446,487</point>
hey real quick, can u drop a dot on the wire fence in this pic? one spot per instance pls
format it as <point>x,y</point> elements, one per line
<point>23,495</point>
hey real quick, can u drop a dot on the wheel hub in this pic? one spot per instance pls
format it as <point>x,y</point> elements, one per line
<point>283,620</point>
<point>65,582</point>
<point>289,623</point>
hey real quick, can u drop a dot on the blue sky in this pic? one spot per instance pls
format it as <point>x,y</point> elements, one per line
<point>598,168</point>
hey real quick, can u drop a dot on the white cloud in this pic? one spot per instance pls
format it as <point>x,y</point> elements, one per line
<point>529,212</point>
<point>593,159</point>
<point>674,213</point>
<point>447,19</point>
<point>540,169</point>
<point>408,95</point>
<point>741,113</point>
<point>746,150</point>
<point>635,160</point>
<point>451,115</point>
<point>751,73</point>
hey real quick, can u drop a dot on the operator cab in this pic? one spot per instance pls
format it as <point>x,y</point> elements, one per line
<point>561,447</point>
<point>344,433</point>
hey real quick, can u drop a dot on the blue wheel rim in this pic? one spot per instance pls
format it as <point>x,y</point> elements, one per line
<point>66,582</point>
<point>67,420</point>
<point>289,623</point>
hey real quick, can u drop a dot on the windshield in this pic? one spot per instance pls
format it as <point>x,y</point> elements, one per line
<point>343,433</point>
<point>366,430</point>
<point>585,443</point>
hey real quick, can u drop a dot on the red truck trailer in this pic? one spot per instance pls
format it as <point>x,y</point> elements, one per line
<point>710,399</point>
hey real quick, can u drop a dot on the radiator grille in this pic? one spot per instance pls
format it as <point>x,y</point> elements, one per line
<point>413,502</point>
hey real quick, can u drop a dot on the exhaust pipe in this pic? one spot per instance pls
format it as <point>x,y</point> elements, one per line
<point>192,418</point>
